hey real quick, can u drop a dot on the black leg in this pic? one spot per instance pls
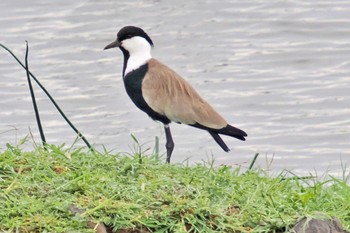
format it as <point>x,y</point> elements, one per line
<point>169,143</point>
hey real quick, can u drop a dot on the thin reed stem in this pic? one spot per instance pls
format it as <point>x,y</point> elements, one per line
<point>36,111</point>
<point>51,99</point>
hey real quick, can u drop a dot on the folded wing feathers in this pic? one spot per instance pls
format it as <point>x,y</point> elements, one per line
<point>169,94</point>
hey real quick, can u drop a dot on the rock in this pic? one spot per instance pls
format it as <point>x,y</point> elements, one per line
<point>99,227</point>
<point>307,225</point>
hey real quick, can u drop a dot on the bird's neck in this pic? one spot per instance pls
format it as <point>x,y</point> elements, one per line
<point>134,60</point>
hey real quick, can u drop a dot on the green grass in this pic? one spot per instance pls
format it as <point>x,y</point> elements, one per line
<point>140,192</point>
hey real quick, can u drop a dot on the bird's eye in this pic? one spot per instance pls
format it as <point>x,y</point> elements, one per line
<point>128,36</point>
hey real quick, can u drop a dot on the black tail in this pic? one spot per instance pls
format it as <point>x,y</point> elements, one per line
<point>229,130</point>
<point>219,141</point>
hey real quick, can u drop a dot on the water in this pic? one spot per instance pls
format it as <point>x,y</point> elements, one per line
<point>277,69</point>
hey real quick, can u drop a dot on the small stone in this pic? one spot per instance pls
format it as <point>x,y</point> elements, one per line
<point>307,225</point>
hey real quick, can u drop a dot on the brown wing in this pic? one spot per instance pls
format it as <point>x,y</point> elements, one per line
<point>169,94</point>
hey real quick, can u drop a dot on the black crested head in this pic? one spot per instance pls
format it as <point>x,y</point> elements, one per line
<point>128,32</point>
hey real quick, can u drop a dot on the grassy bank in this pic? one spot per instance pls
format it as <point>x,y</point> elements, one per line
<point>139,192</point>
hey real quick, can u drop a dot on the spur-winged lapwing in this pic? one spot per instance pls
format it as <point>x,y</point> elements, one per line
<point>163,94</point>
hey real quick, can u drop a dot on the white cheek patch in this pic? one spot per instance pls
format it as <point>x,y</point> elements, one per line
<point>135,62</point>
<point>139,50</point>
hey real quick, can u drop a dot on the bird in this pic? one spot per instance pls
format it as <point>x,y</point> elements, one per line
<point>163,94</point>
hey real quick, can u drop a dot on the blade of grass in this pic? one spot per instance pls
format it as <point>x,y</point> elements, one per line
<point>253,161</point>
<point>156,148</point>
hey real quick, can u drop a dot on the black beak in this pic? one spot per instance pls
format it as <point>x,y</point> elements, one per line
<point>114,44</point>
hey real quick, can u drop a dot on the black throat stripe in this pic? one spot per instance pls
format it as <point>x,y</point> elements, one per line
<point>133,85</point>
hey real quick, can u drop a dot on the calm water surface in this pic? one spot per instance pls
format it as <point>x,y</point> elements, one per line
<point>280,70</point>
